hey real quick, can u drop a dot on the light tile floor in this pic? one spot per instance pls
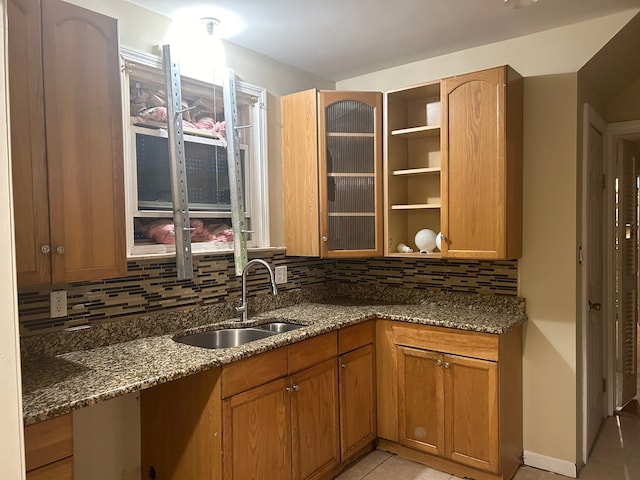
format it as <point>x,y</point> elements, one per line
<point>615,456</point>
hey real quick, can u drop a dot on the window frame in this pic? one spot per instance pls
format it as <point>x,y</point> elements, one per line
<point>256,168</point>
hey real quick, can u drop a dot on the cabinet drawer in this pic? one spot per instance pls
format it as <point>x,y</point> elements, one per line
<point>313,351</point>
<point>448,340</point>
<point>60,470</point>
<point>253,371</point>
<point>356,336</point>
<point>48,441</point>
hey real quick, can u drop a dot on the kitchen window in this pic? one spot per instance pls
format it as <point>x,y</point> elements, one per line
<point>147,177</point>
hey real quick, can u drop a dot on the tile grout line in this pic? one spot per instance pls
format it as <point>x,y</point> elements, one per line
<point>378,466</point>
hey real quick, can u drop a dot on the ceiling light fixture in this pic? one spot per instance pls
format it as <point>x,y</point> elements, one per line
<point>211,23</point>
<point>518,3</point>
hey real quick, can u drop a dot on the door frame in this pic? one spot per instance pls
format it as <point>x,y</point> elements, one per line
<point>592,117</point>
<point>615,131</point>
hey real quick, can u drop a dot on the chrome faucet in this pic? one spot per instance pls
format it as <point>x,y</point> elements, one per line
<point>242,309</point>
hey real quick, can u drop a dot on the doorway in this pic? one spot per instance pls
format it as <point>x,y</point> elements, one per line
<point>624,139</point>
<point>609,261</point>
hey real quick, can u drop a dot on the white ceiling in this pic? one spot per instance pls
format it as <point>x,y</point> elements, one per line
<point>338,39</point>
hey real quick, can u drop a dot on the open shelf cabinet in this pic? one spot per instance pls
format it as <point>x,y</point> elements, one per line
<point>412,166</point>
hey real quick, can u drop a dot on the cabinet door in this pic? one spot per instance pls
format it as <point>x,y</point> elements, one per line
<point>421,400</point>
<point>357,400</point>
<point>315,445</point>
<point>471,411</point>
<point>350,173</point>
<point>257,433</point>
<point>481,170</point>
<point>83,117</point>
<point>28,153</point>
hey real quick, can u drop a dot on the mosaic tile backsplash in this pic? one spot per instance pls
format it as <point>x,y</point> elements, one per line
<point>151,286</point>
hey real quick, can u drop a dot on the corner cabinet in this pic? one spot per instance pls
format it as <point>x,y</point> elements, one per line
<point>332,166</point>
<point>453,164</point>
<point>482,164</point>
<point>453,399</point>
<point>68,186</point>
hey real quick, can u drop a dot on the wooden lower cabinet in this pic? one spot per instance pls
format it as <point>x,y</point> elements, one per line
<point>287,428</point>
<point>273,415</point>
<point>49,449</point>
<point>421,400</point>
<point>315,423</point>
<point>60,470</point>
<point>471,412</point>
<point>453,399</point>
<point>257,432</point>
<point>357,401</point>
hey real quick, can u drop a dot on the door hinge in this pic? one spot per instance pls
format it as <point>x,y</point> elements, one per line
<point>604,385</point>
<point>580,255</point>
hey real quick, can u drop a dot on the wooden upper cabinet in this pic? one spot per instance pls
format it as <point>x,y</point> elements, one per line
<point>481,143</point>
<point>332,173</point>
<point>68,182</point>
<point>28,151</point>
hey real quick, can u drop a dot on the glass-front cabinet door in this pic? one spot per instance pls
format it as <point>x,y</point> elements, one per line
<point>350,173</point>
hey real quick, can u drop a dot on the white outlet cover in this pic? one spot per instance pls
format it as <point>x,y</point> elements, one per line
<point>58,303</point>
<point>281,274</point>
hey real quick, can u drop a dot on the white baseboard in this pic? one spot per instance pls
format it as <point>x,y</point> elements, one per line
<point>550,464</point>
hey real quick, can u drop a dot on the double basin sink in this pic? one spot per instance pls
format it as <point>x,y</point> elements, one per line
<point>234,337</point>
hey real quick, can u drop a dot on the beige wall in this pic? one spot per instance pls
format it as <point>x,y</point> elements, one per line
<point>626,105</point>
<point>11,451</point>
<point>549,62</point>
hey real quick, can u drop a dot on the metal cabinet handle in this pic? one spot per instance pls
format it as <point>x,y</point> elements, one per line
<point>60,249</point>
<point>296,387</point>
<point>287,389</point>
<point>446,365</point>
<point>45,249</point>
<point>325,238</point>
<point>438,362</point>
<point>344,365</point>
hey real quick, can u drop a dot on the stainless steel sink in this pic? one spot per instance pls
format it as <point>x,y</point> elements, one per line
<point>279,327</point>
<point>225,338</point>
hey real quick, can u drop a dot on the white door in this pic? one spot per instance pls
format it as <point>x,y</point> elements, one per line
<point>627,270</point>
<point>594,276</point>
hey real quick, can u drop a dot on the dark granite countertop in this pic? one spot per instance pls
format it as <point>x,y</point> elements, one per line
<point>58,384</point>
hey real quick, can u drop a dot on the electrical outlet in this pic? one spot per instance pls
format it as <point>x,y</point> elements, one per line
<point>58,302</point>
<point>281,274</point>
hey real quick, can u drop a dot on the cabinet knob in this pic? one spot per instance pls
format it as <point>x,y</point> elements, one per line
<point>296,387</point>
<point>325,238</point>
<point>60,249</point>
<point>344,365</point>
<point>45,249</point>
<point>287,389</point>
<point>438,362</point>
<point>446,365</point>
